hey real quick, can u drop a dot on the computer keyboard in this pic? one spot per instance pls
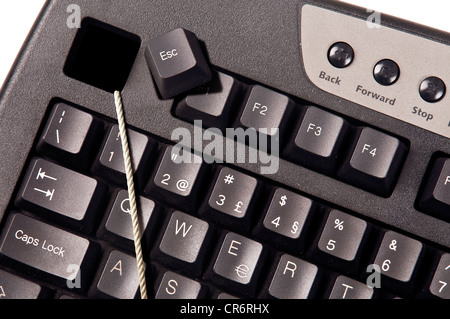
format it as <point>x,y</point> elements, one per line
<point>294,153</point>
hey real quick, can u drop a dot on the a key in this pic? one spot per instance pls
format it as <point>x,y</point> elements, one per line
<point>342,235</point>
<point>184,239</point>
<point>440,284</point>
<point>266,111</point>
<point>317,143</point>
<point>59,192</point>
<point>347,288</point>
<point>119,278</point>
<point>375,162</point>
<point>287,213</point>
<point>14,287</point>
<point>211,103</point>
<point>110,163</point>
<point>293,278</point>
<point>436,195</point>
<point>69,135</point>
<point>237,262</point>
<point>62,256</point>
<point>398,256</point>
<point>175,286</point>
<point>176,177</point>
<point>177,62</point>
<point>119,220</point>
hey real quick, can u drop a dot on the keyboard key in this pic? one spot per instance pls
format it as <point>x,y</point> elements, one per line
<point>347,288</point>
<point>119,219</point>
<point>440,284</point>
<point>69,135</point>
<point>436,195</point>
<point>318,141</point>
<point>238,258</point>
<point>398,256</point>
<point>176,177</point>
<point>14,287</point>
<point>119,278</point>
<point>177,62</point>
<point>375,162</point>
<point>46,248</point>
<point>211,103</point>
<point>265,111</point>
<point>174,286</point>
<point>111,163</point>
<point>58,191</point>
<point>342,235</point>
<point>232,193</point>
<point>184,237</point>
<point>293,278</point>
<point>287,213</point>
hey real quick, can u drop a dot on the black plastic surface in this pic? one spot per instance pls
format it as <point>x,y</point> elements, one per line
<point>245,37</point>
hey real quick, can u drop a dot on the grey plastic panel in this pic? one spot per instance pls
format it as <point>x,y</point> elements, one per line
<point>417,58</point>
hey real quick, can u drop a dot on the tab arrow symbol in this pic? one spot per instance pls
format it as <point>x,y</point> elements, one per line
<point>42,175</point>
<point>47,193</point>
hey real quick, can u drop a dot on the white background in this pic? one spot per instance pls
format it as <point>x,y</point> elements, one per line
<point>17,17</point>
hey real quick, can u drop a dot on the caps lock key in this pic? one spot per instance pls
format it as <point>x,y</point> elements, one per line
<point>46,248</point>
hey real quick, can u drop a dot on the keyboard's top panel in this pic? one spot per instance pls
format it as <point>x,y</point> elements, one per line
<point>247,38</point>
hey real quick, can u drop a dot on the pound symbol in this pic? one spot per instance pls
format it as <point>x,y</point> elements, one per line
<point>238,207</point>
<point>393,245</point>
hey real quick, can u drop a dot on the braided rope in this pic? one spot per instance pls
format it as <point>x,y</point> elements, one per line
<point>131,195</point>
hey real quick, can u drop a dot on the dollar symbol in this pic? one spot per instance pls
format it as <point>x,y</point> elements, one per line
<point>283,200</point>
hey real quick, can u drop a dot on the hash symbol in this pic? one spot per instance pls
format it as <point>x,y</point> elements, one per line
<point>229,179</point>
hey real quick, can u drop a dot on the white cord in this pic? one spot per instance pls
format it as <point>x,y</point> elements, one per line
<point>131,195</point>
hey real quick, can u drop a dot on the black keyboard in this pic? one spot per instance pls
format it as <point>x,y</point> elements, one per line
<point>277,154</point>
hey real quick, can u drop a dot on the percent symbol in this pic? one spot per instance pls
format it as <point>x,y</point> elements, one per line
<point>339,224</point>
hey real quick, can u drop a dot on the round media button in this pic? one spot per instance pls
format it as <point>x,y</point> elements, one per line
<point>432,89</point>
<point>341,55</point>
<point>386,72</point>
